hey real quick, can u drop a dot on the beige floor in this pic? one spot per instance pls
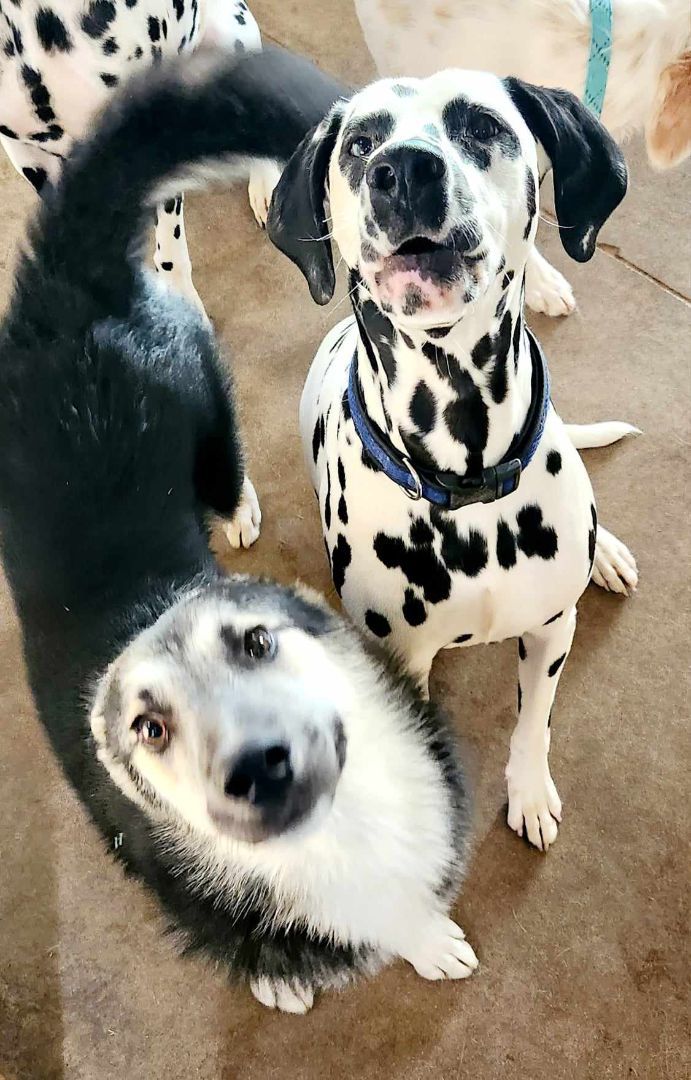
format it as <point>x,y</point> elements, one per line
<point>582,952</point>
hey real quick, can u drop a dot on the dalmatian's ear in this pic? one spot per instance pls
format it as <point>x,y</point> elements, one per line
<point>589,169</point>
<point>297,217</point>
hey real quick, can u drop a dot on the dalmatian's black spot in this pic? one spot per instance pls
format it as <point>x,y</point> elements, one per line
<point>549,718</point>
<point>381,333</point>
<point>534,538</point>
<point>400,90</point>
<point>240,18</point>
<point>501,306</point>
<point>169,206</point>
<point>318,437</point>
<point>378,623</point>
<point>554,668</point>
<point>52,134</point>
<point>592,536</point>
<point>343,510</point>
<point>327,500</point>
<point>483,351</point>
<point>421,534</point>
<point>414,611</point>
<point>414,300</point>
<point>553,462</point>
<point>408,341</point>
<point>462,638</point>
<point>517,330</point>
<point>131,3</point>
<point>110,47</point>
<point>508,278</point>
<point>36,177</point>
<point>138,52</point>
<point>8,48</point>
<point>423,408</point>
<point>419,564</point>
<point>164,28</point>
<point>370,227</point>
<point>498,382</point>
<point>38,93</point>
<point>439,331</point>
<point>176,232</point>
<point>178,204</point>
<point>7,132</point>
<point>156,54</point>
<point>502,264</point>
<point>179,8</point>
<point>368,461</point>
<point>468,554</point>
<point>109,80</point>
<point>520,697</point>
<point>466,418</point>
<point>347,415</point>
<point>417,451</point>
<point>340,561</point>
<point>377,127</point>
<point>154,28</point>
<point>341,474</point>
<point>554,618</point>
<point>98,17</point>
<point>52,32</point>
<point>521,649</point>
<point>530,201</point>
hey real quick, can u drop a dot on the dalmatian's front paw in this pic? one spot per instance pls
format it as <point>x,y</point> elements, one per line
<point>442,952</point>
<point>264,176</point>
<point>289,997</point>
<point>547,290</point>
<point>243,528</point>
<point>614,567</point>
<point>534,805</point>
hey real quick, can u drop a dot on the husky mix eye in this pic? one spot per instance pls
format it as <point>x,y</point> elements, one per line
<point>483,127</point>
<point>361,146</point>
<point>260,644</point>
<point>152,731</point>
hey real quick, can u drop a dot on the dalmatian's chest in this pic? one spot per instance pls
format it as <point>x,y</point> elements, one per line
<point>405,568</point>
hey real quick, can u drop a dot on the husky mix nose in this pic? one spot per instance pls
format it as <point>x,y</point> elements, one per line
<point>262,775</point>
<point>407,189</point>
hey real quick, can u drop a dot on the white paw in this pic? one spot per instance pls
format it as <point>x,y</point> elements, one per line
<point>614,567</point>
<point>534,805</point>
<point>290,997</point>
<point>546,289</point>
<point>443,952</point>
<point>243,528</point>
<point>264,175</point>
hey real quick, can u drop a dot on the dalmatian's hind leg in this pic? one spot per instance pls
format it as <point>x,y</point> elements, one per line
<point>534,805</point>
<point>172,258</point>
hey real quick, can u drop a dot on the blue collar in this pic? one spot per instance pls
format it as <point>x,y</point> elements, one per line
<point>449,490</point>
<point>600,55</point>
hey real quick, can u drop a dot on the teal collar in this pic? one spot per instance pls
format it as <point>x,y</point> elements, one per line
<point>600,55</point>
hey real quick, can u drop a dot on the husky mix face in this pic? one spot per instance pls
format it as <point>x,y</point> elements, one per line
<point>225,713</point>
<point>433,189</point>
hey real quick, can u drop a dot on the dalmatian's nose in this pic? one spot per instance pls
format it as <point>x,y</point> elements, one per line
<point>407,185</point>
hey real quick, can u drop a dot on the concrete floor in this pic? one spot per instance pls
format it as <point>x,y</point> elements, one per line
<point>583,973</point>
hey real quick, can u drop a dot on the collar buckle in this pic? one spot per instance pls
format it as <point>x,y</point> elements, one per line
<point>490,485</point>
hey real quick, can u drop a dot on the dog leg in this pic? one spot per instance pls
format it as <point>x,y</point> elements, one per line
<point>243,528</point>
<point>34,164</point>
<point>545,288</point>
<point>171,258</point>
<point>614,567</point>
<point>534,805</point>
<point>290,997</point>
<point>440,951</point>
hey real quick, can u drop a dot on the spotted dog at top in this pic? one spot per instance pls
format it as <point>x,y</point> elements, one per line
<point>60,60</point>
<point>413,404</point>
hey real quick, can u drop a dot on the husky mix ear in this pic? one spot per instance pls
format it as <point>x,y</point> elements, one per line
<point>297,217</point>
<point>668,130</point>
<point>589,169</point>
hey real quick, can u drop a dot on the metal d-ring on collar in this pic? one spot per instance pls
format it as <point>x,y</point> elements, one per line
<point>452,491</point>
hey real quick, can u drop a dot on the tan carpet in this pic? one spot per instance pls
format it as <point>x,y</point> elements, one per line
<point>583,967</point>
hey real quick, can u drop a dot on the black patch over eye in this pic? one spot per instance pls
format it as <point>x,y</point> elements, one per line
<point>259,643</point>
<point>360,147</point>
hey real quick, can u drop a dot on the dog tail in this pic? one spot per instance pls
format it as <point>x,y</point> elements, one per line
<point>587,436</point>
<point>176,125</point>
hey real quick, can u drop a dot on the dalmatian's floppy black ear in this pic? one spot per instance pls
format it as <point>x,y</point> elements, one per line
<point>589,168</point>
<point>297,218</point>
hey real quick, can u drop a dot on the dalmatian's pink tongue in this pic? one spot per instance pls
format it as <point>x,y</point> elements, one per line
<point>406,288</point>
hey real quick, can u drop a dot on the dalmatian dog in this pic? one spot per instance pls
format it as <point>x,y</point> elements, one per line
<point>60,61</point>
<point>455,507</point>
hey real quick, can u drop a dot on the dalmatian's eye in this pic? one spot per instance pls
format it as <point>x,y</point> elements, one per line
<point>483,127</point>
<point>152,731</point>
<point>260,643</point>
<point>361,147</point>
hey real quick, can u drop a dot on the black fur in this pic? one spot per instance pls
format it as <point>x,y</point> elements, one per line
<point>117,435</point>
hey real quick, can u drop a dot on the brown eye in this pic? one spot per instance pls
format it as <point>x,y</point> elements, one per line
<point>260,644</point>
<point>483,127</point>
<point>152,731</point>
<point>361,147</point>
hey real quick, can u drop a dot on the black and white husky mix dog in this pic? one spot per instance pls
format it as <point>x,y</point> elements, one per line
<point>298,809</point>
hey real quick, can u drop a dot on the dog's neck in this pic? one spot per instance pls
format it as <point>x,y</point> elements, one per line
<point>454,399</point>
